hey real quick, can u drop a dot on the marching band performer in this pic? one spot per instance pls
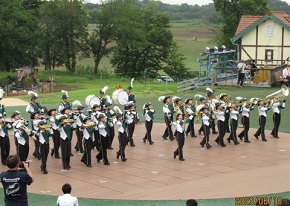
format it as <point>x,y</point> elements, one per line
<point>79,132</point>
<point>206,126</point>
<point>131,96</point>
<point>130,117</point>
<point>2,107</point>
<point>22,140</point>
<point>44,133</point>
<point>276,107</point>
<point>245,110</point>
<point>224,100</point>
<point>66,127</point>
<point>180,135</point>
<point>16,116</point>
<point>35,122</point>
<point>88,131</point>
<point>64,104</point>
<point>96,111</point>
<point>168,116</point>
<point>105,141</point>
<point>122,136</point>
<point>34,106</point>
<point>110,115</point>
<point>221,124</point>
<point>190,109</point>
<point>204,104</point>
<point>212,105</point>
<point>262,120</point>
<point>178,109</point>
<point>4,138</point>
<point>234,114</point>
<point>102,97</point>
<point>55,121</point>
<point>148,113</point>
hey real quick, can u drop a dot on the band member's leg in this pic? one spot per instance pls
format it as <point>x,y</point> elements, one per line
<point>88,145</point>
<point>246,129</point>
<point>180,146</point>
<point>258,132</point>
<point>263,123</point>
<point>64,153</point>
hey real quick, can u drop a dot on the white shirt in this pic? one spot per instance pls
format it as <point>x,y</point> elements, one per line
<point>275,107</point>
<point>78,120</point>
<point>41,138</point>
<point>52,121</point>
<point>120,127</point>
<point>20,139</point>
<point>179,128</point>
<point>220,116</point>
<point>102,129</point>
<point>245,112</point>
<point>242,67</point>
<point>130,117</point>
<point>286,72</point>
<point>234,114</point>
<point>205,119</point>
<point>67,200</point>
<point>166,110</point>
<point>262,111</point>
<point>147,116</point>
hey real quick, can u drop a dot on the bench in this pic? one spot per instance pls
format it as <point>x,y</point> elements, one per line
<point>279,77</point>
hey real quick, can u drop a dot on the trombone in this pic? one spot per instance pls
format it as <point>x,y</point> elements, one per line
<point>282,93</point>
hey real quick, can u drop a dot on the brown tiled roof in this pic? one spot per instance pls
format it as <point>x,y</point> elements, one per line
<point>247,21</point>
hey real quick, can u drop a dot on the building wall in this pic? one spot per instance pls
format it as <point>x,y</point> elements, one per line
<point>269,38</point>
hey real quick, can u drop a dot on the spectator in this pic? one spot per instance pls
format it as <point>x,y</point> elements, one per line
<point>241,73</point>
<point>15,181</point>
<point>191,202</point>
<point>286,74</point>
<point>66,199</point>
<point>253,70</point>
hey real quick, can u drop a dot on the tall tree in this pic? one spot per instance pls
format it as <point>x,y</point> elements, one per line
<point>232,11</point>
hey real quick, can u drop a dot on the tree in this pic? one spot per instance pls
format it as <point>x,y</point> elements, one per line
<point>17,34</point>
<point>143,41</point>
<point>232,11</point>
<point>175,66</point>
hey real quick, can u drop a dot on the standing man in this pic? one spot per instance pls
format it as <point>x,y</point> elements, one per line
<point>245,110</point>
<point>104,140</point>
<point>64,104</point>
<point>15,182</point>
<point>66,199</point>
<point>276,107</point>
<point>130,118</point>
<point>262,120</point>
<point>148,113</point>
<point>168,116</point>
<point>241,73</point>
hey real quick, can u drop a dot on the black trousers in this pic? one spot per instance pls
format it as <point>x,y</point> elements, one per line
<point>241,78</point>
<point>246,124</point>
<point>148,126</point>
<point>227,117</point>
<point>261,130</point>
<point>23,151</point>
<point>276,121</point>
<point>212,124</point>
<point>44,150</point>
<point>131,128</point>
<point>5,148</point>
<point>111,134</point>
<point>233,134</point>
<point>168,131</point>
<point>222,132</point>
<point>16,144</point>
<point>87,156</point>
<point>206,131</point>
<point>97,141</point>
<point>79,144</point>
<point>56,142</point>
<point>122,137</point>
<point>180,137</point>
<point>190,128</point>
<point>105,142</point>
<point>65,152</point>
<point>36,151</point>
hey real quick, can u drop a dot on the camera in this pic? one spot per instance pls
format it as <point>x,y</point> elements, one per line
<point>21,164</point>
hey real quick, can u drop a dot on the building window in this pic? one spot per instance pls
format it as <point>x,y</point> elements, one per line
<point>270,30</point>
<point>268,55</point>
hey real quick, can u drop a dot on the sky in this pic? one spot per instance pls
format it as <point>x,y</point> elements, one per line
<point>193,2</point>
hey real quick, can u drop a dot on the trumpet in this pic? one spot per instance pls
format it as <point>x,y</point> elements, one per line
<point>45,127</point>
<point>282,93</point>
<point>66,121</point>
<point>89,124</point>
<point>25,129</point>
<point>254,101</point>
<point>186,115</point>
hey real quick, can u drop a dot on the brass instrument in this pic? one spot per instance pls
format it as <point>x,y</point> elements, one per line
<point>197,112</point>
<point>282,93</point>
<point>175,107</point>
<point>254,100</point>
<point>186,115</point>
<point>89,124</point>
<point>66,121</point>
<point>25,129</point>
<point>45,127</point>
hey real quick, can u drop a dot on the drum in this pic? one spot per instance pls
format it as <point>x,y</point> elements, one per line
<point>91,100</point>
<point>120,96</point>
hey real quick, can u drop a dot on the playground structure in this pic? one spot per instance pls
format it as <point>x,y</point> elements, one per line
<point>215,58</point>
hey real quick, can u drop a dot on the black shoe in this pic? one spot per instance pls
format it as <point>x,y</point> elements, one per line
<point>257,137</point>
<point>201,144</point>
<point>132,145</point>
<point>110,148</point>
<point>164,137</point>
<point>248,141</point>
<point>44,171</point>
<point>228,132</point>
<point>236,143</point>
<point>181,159</point>
<point>171,139</point>
<point>107,163</point>
<point>241,138</point>
<point>276,137</point>
<point>229,140</point>
<point>68,167</point>
<point>83,161</point>
<point>82,152</point>
<point>217,141</point>
<point>208,146</point>
<point>52,152</point>
<point>199,132</point>
<point>117,155</point>
<point>38,156</point>
<point>264,140</point>
<point>174,155</point>
<point>124,159</point>
<point>194,135</point>
<point>214,132</point>
<point>98,160</point>
<point>71,154</point>
<point>144,140</point>
<point>223,145</point>
<point>151,142</point>
<point>76,148</point>
<point>89,166</point>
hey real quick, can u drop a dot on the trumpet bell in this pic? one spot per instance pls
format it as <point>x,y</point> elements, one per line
<point>45,126</point>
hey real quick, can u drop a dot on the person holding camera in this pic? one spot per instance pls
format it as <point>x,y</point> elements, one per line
<point>15,181</point>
